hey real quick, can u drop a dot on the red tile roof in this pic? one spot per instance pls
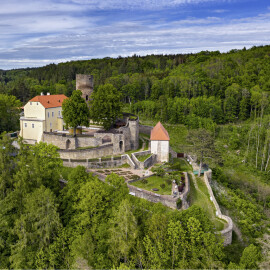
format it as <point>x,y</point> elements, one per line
<point>50,101</point>
<point>159,133</point>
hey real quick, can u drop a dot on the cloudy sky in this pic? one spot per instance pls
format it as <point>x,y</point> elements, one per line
<point>40,32</point>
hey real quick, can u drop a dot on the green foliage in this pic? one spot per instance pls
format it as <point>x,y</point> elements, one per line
<point>9,111</point>
<point>106,105</point>
<point>159,171</point>
<point>75,111</point>
<point>203,145</point>
<point>162,186</point>
<point>179,203</point>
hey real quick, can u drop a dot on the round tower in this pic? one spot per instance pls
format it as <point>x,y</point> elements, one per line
<point>85,83</point>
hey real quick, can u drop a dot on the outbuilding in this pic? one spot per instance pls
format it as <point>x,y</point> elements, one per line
<point>160,143</point>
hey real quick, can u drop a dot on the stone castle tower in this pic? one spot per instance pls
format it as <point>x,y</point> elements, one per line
<point>85,83</point>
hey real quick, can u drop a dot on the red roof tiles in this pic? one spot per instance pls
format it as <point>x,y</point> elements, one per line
<point>159,133</point>
<point>50,101</point>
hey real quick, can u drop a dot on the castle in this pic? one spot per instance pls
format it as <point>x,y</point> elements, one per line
<point>43,121</point>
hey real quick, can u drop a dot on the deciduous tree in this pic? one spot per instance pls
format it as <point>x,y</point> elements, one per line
<point>75,111</point>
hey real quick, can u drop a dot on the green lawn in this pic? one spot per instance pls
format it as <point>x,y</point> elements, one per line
<point>201,198</point>
<point>154,182</point>
<point>181,164</point>
<point>143,158</point>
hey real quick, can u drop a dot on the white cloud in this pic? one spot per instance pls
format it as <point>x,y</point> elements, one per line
<point>139,4</point>
<point>42,37</point>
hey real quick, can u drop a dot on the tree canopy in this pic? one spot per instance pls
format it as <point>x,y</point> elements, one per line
<point>106,105</point>
<point>10,113</point>
<point>75,111</point>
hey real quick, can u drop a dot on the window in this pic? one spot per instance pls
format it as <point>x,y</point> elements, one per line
<point>59,113</point>
<point>52,114</point>
<point>33,125</point>
<point>37,103</point>
<point>25,124</point>
<point>50,125</point>
<point>30,103</point>
<point>48,114</point>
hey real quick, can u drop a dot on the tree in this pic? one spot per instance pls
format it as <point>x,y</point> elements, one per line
<point>106,105</point>
<point>75,111</point>
<point>123,231</point>
<point>203,143</point>
<point>250,257</point>
<point>36,228</point>
<point>9,111</point>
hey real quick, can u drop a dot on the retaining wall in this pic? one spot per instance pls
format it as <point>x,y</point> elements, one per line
<point>97,152</point>
<point>227,232</point>
<point>146,163</point>
<point>166,200</point>
<point>145,129</point>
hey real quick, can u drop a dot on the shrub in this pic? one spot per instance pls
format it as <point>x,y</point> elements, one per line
<point>162,186</point>
<point>144,181</point>
<point>159,171</point>
<point>169,181</point>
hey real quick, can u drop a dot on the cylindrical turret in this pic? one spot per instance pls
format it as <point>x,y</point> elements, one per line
<point>85,83</point>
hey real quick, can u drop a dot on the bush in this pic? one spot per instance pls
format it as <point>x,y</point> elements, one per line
<point>144,181</point>
<point>162,186</point>
<point>169,181</point>
<point>159,171</point>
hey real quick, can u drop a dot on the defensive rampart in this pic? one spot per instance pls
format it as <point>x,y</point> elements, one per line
<point>90,153</point>
<point>227,232</point>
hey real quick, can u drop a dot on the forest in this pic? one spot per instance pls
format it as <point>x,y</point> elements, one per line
<point>90,223</point>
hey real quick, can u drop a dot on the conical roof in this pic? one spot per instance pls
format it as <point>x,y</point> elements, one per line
<point>159,133</point>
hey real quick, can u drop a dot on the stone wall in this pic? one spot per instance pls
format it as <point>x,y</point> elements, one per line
<point>145,129</point>
<point>99,164</point>
<point>227,232</point>
<point>150,161</point>
<point>61,140</point>
<point>97,152</point>
<point>173,153</point>
<point>146,163</point>
<point>166,200</point>
<point>130,161</point>
<point>184,195</point>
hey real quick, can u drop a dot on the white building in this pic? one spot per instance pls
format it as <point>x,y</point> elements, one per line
<point>160,143</point>
<point>41,113</point>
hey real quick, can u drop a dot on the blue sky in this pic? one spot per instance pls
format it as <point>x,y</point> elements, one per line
<point>39,32</point>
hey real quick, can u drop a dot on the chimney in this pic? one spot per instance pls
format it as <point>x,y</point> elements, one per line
<point>42,94</point>
<point>48,94</point>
